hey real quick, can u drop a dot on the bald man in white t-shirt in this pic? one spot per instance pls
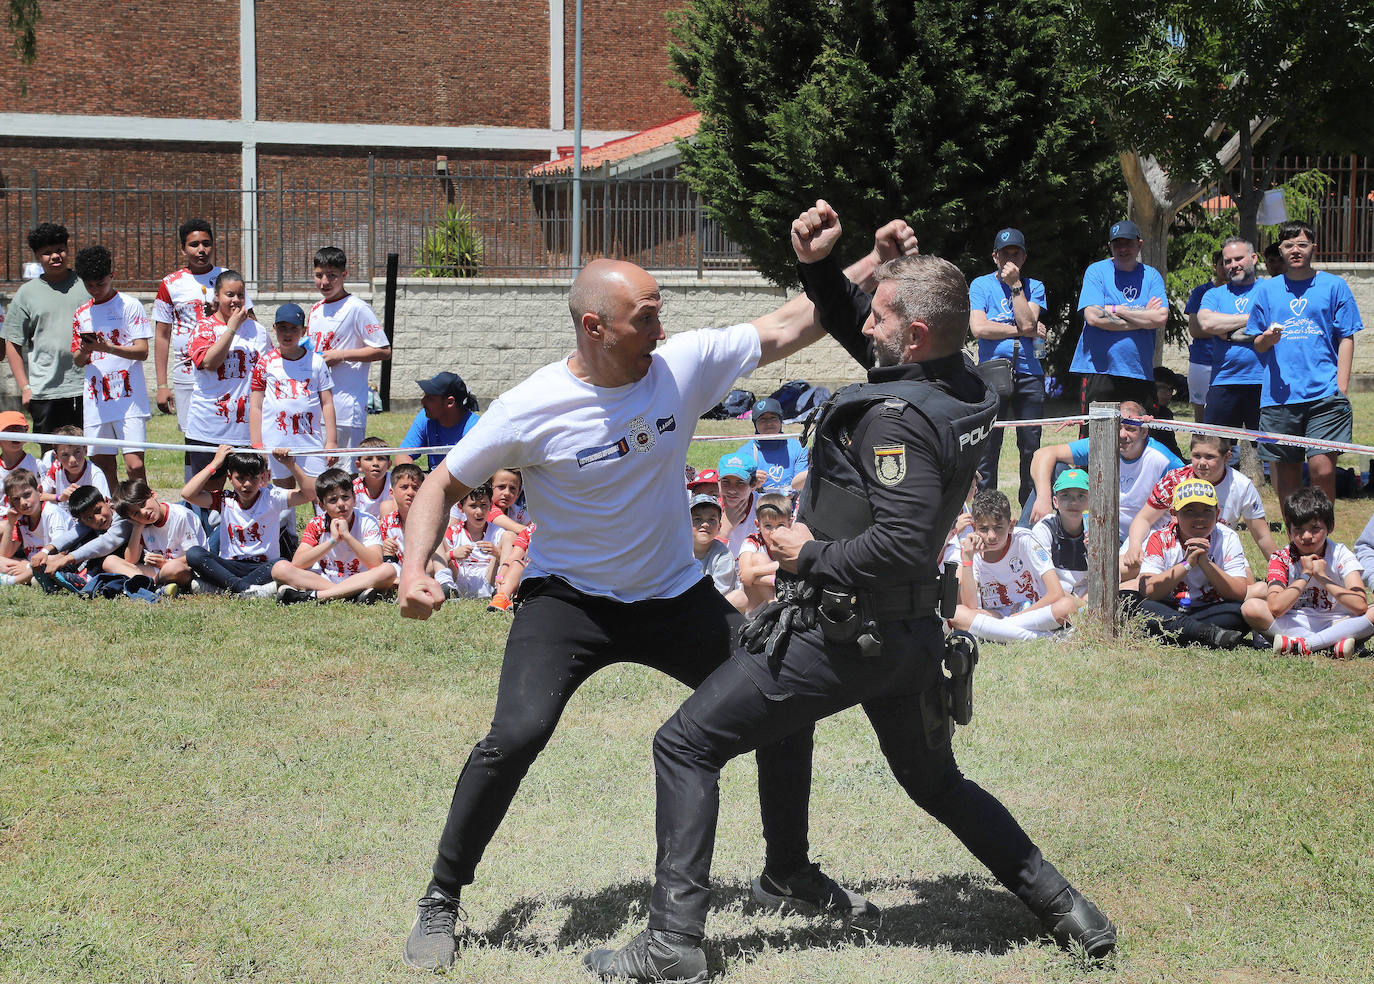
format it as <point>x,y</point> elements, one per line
<point>601,439</point>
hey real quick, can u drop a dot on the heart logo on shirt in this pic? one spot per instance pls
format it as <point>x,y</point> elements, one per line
<point>1298,305</point>
<point>1130,293</point>
<point>1006,305</point>
<point>1240,304</point>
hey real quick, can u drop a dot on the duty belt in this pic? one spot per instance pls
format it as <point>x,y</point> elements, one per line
<point>915,599</point>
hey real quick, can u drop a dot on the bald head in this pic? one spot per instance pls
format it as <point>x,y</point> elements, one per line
<point>1132,409</point>
<point>600,286</point>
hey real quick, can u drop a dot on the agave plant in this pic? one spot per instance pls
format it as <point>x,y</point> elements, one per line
<point>453,248</point>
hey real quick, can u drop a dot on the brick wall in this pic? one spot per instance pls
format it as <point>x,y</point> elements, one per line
<point>626,74</point>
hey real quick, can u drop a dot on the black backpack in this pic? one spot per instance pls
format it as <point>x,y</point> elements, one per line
<point>736,403</point>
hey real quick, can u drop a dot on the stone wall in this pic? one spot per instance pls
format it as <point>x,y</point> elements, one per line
<point>494,333</point>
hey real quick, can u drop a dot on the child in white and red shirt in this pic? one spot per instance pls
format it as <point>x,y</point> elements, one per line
<point>513,531</point>
<point>162,533</point>
<point>31,527</point>
<point>347,333</point>
<point>69,469</point>
<point>225,349</point>
<point>250,527</point>
<point>757,568</point>
<point>470,549</point>
<point>1008,589</point>
<point>1316,598</point>
<point>110,335</point>
<point>335,546</point>
<point>291,403</point>
<point>12,453</point>
<point>372,485</point>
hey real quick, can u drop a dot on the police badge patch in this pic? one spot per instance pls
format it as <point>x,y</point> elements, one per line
<point>889,461</point>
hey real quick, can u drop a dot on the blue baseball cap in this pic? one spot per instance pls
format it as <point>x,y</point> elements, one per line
<point>1125,229</point>
<point>766,405</point>
<point>289,314</point>
<point>733,464</point>
<point>1008,237</point>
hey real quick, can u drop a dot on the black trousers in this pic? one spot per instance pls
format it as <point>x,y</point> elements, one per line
<point>1166,620</point>
<point>746,704</point>
<point>558,639</point>
<point>1027,402</point>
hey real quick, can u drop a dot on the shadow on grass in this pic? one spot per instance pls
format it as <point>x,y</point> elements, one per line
<point>965,914</point>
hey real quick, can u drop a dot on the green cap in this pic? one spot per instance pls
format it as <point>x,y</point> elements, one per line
<point>1072,478</point>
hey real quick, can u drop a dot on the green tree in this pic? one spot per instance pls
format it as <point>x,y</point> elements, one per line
<point>956,115</point>
<point>1202,95</point>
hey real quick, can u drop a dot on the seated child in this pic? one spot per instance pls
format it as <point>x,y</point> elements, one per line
<point>12,453</point>
<point>290,403</point>
<point>1062,533</point>
<point>1193,576</point>
<point>713,555</point>
<point>69,470</point>
<point>757,568</point>
<point>469,548</point>
<point>162,533</point>
<point>334,547</point>
<point>1004,591</point>
<point>1316,595</point>
<point>98,533</point>
<point>251,510</point>
<point>372,486</point>
<point>30,529</point>
<point>514,530</point>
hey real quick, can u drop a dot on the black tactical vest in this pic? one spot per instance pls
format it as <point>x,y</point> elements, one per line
<point>834,503</point>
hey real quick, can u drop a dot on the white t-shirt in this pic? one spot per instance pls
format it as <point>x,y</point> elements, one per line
<point>366,504</point>
<point>603,466</point>
<point>1017,578</point>
<point>55,481</point>
<point>177,533</point>
<point>341,562</point>
<point>393,529</point>
<point>115,389</point>
<point>470,573</point>
<point>182,300</point>
<point>219,401</point>
<point>256,530</point>
<point>292,416</point>
<point>1237,497</point>
<point>1138,479</point>
<point>53,526</point>
<point>347,323</point>
<point>28,463</point>
<point>1284,566</point>
<point>747,526</point>
<point>1163,550</point>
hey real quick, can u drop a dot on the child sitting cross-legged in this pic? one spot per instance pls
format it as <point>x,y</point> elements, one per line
<point>1193,573</point>
<point>30,529</point>
<point>471,549</point>
<point>1008,590</point>
<point>161,533</point>
<point>249,533</point>
<point>334,546</point>
<point>1316,594</point>
<point>1063,534</point>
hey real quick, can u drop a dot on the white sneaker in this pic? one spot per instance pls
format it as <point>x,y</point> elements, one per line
<point>1344,649</point>
<point>268,590</point>
<point>6,580</point>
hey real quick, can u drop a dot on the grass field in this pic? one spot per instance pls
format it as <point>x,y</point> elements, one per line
<point>214,790</point>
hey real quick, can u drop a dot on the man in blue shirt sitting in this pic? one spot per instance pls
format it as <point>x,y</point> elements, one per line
<point>779,465</point>
<point>447,412</point>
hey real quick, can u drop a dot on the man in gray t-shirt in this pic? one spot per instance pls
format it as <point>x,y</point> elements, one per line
<point>38,334</point>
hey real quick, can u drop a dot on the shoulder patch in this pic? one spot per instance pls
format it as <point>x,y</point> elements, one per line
<point>889,462</point>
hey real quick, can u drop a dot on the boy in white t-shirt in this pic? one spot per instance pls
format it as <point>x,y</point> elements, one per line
<point>32,527</point>
<point>69,469</point>
<point>110,341</point>
<point>470,549</point>
<point>335,546</point>
<point>513,531</point>
<point>347,334</point>
<point>1194,575</point>
<point>250,528</point>
<point>1008,590</point>
<point>372,484</point>
<point>12,453</point>
<point>162,533</point>
<point>757,568</point>
<point>1317,597</point>
<point>290,403</point>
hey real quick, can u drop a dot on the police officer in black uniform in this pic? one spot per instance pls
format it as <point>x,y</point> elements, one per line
<point>856,621</point>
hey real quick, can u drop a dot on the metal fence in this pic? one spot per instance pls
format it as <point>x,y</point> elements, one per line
<point>1344,222</point>
<point>272,231</point>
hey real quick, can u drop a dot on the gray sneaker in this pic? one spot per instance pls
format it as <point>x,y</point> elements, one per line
<point>811,890</point>
<point>268,590</point>
<point>431,944</point>
<point>653,955</point>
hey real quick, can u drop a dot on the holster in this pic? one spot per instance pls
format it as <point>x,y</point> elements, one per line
<point>950,700</point>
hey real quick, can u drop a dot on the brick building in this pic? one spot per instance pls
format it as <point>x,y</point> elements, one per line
<point>253,103</point>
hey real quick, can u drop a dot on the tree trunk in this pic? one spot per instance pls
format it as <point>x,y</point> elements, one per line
<point>1154,201</point>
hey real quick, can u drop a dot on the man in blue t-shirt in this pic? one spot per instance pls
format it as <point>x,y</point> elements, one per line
<point>780,465</point>
<point>1234,397</point>
<point>1304,324</point>
<point>1122,303</point>
<point>1004,315</point>
<point>1200,351</point>
<point>447,412</point>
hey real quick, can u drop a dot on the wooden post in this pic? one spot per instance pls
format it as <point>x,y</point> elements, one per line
<point>1104,479</point>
